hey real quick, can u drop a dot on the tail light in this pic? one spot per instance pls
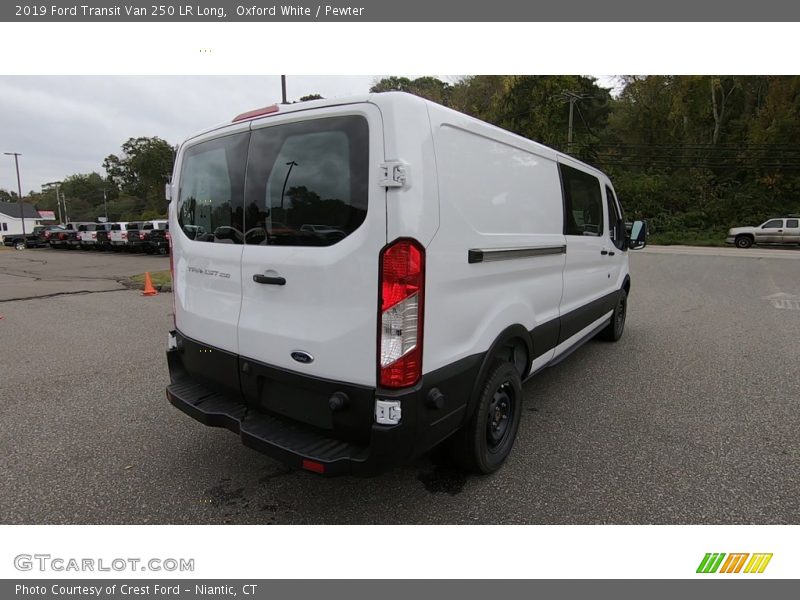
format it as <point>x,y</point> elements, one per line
<point>402,293</point>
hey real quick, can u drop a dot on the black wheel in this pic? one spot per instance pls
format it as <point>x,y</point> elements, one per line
<point>488,436</point>
<point>19,244</point>
<point>614,329</point>
<point>744,241</point>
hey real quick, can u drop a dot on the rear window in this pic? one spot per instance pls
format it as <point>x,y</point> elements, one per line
<point>307,183</point>
<point>210,201</point>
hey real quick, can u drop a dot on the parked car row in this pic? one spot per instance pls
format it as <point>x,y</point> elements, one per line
<point>151,237</point>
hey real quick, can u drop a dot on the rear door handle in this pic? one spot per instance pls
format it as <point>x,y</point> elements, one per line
<point>258,278</point>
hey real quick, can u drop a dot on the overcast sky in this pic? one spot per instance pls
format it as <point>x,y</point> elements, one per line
<point>69,124</point>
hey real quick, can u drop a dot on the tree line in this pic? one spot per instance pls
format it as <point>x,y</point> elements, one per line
<point>693,154</point>
<point>131,190</point>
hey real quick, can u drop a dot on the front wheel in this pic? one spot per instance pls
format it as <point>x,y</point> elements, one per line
<point>486,440</point>
<point>744,241</point>
<point>613,331</point>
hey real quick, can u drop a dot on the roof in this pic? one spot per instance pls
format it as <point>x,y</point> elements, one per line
<point>12,210</point>
<point>387,100</point>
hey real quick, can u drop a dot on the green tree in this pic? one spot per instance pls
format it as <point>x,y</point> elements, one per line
<point>142,170</point>
<point>430,88</point>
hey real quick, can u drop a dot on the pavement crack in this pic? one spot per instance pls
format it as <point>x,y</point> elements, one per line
<point>61,294</point>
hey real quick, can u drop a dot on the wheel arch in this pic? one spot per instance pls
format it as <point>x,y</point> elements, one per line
<point>512,337</point>
<point>626,285</point>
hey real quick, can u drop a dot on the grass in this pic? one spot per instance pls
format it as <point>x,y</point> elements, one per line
<point>687,238</point>
<point>158,278</point>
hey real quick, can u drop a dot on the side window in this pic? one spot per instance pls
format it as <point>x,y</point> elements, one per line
<point>773,224</point>
<point>307,183</point>
<point>792,223</point>
<point>211,195</point>
<point>616,222</point>
<point>583,202</point>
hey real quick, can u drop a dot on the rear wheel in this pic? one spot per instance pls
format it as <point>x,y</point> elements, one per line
<point>486,440</point>
<point>744,241</point>
<point>19,244</point>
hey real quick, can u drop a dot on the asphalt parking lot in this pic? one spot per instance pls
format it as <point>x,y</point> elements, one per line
<point>41,272</point>
<point>693,417</point>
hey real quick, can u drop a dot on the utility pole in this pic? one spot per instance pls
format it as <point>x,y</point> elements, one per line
<point>572,98</point>
<point>16,156</point>
<point>283,89</point>
<point>58,201</point>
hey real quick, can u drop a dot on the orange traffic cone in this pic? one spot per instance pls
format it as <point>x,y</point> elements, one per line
<point>149,290</point>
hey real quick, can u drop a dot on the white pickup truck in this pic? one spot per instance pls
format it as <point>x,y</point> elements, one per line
<point>118,236</point>
<point>780,230</point>
<point>88,235</point>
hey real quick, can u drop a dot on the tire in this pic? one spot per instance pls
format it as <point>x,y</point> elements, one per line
<point>613,330</point>
<point>485,441</point>
<point>743,241</point>
<point>19,245</point>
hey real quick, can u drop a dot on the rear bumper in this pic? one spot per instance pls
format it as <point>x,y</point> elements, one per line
<point>365,450</point>
<point>293,445</point>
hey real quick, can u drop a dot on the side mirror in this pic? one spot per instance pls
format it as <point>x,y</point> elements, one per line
<point>638,235</point>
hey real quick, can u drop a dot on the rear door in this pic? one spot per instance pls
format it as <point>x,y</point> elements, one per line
<point>207,248</point>
<point>791,233</point>
<point>310,294</point>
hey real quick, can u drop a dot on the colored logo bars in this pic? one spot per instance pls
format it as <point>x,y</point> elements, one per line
<point>734,562</point>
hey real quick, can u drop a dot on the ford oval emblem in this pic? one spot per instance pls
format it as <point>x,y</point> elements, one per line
<point>302,357</point>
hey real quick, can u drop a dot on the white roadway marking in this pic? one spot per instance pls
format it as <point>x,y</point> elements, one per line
<point>785,253</point>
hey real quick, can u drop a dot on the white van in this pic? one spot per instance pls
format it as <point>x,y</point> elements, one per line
<point>469,258</point>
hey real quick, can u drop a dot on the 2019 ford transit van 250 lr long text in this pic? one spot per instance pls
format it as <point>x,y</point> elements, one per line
<point>357,281</point>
